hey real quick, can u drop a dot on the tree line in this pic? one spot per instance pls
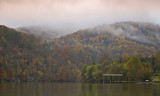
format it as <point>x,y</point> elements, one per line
<point>133,68</point>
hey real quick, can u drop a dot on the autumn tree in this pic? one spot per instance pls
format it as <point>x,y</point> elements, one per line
<point>2,73</point>
<point>157,62</point>
<point>134,68</point>
<point>138,70</point>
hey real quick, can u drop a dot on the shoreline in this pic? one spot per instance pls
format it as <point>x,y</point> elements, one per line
<point>113,82</point>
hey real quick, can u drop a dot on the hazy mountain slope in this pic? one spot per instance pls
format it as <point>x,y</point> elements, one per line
<point>45,32</point>
<point>142,32</point>
<point>123,38</point>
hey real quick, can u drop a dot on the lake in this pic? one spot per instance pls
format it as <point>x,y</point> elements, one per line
<point>78,89</point>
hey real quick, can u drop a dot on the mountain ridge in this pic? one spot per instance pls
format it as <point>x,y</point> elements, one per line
<point>105,38</point>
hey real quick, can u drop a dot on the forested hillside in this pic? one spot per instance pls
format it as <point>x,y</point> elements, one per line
<point>26,57</point>
<point>83,55</point>
<point>119,39</point>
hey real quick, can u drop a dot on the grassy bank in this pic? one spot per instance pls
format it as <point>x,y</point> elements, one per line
<point>156,78</point>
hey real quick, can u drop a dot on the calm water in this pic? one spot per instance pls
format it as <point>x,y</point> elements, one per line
<point>78,89</point>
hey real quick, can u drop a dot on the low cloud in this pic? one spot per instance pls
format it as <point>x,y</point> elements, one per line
<point>76,14</point>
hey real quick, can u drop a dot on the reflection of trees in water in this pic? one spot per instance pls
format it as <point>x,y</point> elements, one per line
<point>78,89</point>
<point>101,89</point>
<point>138,90</point>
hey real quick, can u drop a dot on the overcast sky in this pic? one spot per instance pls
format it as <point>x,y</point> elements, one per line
<point>76,14</point>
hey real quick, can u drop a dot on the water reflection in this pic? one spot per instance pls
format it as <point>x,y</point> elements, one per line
<point>78,89</point>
